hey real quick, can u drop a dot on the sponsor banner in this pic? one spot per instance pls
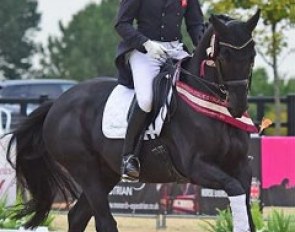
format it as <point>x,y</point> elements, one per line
<point>211,200</point>
<point>135,198</point>
<point>179,198</point>
<point>143,198</point>
<point>278,173</point>
<point>7,175</point>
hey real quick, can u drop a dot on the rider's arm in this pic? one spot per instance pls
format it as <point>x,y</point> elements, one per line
<point>194,21</point>
<point>128,11</point>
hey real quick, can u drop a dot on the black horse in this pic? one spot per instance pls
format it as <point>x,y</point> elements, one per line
<point>62,141</point>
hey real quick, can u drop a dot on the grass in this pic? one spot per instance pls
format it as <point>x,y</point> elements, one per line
<point>139,224</point>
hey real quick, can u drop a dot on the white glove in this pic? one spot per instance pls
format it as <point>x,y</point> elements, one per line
<point>174,51</point>
<point>154,49</point>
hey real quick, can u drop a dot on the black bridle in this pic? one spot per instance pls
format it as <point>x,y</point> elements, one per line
<point>223,84</point>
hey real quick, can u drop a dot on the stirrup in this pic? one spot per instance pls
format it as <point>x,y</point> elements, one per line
<point>124,176</point>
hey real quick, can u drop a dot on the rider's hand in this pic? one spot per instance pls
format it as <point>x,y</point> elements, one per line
<point>154,49</point>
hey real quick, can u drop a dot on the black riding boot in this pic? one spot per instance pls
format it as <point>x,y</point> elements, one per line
<point>136,126</point>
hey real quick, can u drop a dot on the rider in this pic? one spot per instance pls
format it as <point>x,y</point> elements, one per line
<point>145,47</point>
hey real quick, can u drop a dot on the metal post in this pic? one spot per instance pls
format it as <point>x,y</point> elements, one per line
<point>291,114</point>
<point>260,109</point>
<point>161,221</point>
<point>23,108</point>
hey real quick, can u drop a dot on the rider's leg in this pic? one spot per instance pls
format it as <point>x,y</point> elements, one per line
<point>136,126</point>
<point>144,69</point>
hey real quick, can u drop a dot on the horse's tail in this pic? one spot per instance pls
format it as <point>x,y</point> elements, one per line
<point>35,168</point>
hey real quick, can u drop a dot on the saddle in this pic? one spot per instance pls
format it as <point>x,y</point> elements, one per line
<point>119,103</point>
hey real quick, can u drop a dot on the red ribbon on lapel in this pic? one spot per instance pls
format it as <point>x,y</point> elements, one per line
<point>183,3</point>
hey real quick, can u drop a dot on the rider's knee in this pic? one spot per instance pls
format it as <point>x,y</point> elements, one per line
<point>145,104</point>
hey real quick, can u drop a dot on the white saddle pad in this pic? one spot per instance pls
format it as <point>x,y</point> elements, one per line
<point>114,121</point>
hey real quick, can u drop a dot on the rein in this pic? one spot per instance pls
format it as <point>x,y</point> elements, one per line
<point>202,81</point>
<point>205,83</point>
<point>221,84</point>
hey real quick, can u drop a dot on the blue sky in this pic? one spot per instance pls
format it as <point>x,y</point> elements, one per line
<point>55,10</point>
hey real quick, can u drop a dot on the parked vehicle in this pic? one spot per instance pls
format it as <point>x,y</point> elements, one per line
<point>28,89</point>
<point>34,88</point>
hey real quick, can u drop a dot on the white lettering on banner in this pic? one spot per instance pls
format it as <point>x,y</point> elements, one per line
<point>122,191</point>
<point>126,190</point>
<point>133,206</point>
<point>144,206</point>
<point>213,193</point>
<point>119,205</point>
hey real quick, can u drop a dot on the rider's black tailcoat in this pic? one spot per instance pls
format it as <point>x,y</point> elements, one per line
<point>158,20</point>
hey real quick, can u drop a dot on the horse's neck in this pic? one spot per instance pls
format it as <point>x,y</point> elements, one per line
<point>200,54</point>
<point>193,66</point>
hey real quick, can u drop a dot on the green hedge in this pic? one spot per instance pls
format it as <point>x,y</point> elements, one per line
<point>7,215</point>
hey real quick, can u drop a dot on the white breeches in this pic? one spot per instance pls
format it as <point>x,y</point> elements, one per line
<point>145,69</point>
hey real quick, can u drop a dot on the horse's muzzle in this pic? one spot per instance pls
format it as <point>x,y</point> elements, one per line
<point>236,113</point>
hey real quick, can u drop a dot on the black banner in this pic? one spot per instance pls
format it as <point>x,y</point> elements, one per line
<point>138,198</point>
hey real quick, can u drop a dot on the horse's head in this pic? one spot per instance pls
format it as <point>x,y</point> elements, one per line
<point>234,58</point>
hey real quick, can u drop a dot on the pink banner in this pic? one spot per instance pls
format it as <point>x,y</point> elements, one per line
<point>278,161</point>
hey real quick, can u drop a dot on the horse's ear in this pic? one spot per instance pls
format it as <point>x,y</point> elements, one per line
<point>218,25</point>
<point>252,22</point>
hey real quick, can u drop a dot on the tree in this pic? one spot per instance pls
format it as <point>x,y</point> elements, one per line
<point>18,21</point>
<point>289,87</point>
<point>277,16</point>
<point>87,45</point>
<point>261,86</point>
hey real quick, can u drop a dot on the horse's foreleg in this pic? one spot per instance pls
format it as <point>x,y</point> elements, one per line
<point>211,176</point>
<point>245,178</point>
<point>79,215</point>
